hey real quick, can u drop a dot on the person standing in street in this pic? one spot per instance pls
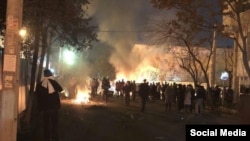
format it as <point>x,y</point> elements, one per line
<point>94,86</point>
<point>143,93</point>
<point>170,96</point>
<point>189,93</point>
<point>127,89</point>
<point>200,97</point>
<point>48,102</point>
<point>105,86</point>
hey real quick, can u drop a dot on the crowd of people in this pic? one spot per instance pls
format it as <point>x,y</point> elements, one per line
<point>186,97</point>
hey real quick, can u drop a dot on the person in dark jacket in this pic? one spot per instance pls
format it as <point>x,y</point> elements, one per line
<point>48,102</point>
<point>105,86</point>
<point>200,97</point>
<point>127,89</point>
<point>143,93</point>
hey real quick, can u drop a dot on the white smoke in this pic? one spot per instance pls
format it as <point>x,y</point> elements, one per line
<point>122,24</point>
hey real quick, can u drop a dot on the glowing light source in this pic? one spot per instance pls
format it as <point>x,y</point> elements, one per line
<point>141,72</point>
<point>52,70</point>
<point>23,32</point>
<point>69,57</point>
<point>224,75</point>
<point>82,97</point>
<point>176,79</point>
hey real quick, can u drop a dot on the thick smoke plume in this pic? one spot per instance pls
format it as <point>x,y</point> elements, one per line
<point>122,24</point>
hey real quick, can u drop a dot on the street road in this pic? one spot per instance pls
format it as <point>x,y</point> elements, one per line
<point>96,121</point>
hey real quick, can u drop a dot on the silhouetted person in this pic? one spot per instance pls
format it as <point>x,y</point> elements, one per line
<point>48,101</point>
<point>229,97</point>
<point>105,87</point>
<point>127,89</point>
<point>216,96</point>
<point>133,90</point>
<point>180,95</point>
<point>189,92</point>
<point>199,99</point>
<point>143,93</point>
<point>94,86</point>
<point>169,97</point>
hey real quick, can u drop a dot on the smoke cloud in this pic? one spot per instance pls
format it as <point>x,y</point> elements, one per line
<point>122,24</point>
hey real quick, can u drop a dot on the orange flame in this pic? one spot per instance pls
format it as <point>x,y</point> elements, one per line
<point>142,72</point>
<point>82,96</point>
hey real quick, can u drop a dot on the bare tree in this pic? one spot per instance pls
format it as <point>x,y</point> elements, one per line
<point>228,59</point>
<point>186,62</point>
<point>237,23</point>
<point>191,28</point>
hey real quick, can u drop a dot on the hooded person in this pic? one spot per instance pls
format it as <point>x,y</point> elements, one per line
<point>48,102</point>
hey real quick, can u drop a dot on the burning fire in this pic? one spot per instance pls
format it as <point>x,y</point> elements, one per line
<point>148,62</point>
<point>144,63</point>
<point>141,72</point>
<point>82,96</point>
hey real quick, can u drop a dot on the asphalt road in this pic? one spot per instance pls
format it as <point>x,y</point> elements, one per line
<point>96,121</point>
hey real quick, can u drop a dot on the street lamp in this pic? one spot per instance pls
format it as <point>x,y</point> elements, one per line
<point>23,32</point>
<point>25,52</point>
<point>69,57</point>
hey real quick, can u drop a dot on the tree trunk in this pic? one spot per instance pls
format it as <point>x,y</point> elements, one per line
<point>48,50</point>
<point>43,52</point>
<point>245,62</point>
<point>30,97</point>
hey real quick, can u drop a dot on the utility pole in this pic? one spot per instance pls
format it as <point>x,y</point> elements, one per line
<point>213,59</point>
<point>10,79</point>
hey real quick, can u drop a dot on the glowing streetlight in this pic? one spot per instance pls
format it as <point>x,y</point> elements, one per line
<point>69,57</point>
<point>23,32</point>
